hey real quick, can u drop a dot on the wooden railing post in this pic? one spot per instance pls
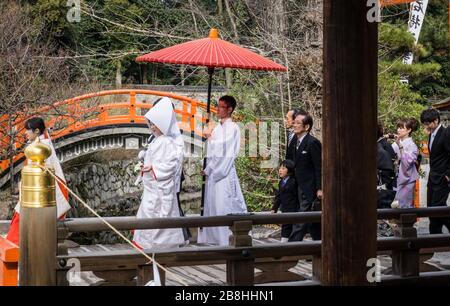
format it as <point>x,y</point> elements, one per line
<point>145,274</point>
<point>132,109</point>
<point>62,249</point>
<point>241,272</point>
<point>406,263</point>
<point>37,259</point>
<point>185,116</point>
<point>317,268</point>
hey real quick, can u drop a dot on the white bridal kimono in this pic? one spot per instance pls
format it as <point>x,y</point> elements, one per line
<point>159,199</point>
<point>223,194</point>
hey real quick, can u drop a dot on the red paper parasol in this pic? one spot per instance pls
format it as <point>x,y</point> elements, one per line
<point>211,52</point>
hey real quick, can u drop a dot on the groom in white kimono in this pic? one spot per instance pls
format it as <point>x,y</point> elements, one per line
<point>223,194</point>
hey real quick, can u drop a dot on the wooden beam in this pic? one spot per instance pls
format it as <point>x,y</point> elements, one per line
<point>191,255</point>
<point>349,155</point>
<point>394,2</point>
<point>128,223</point>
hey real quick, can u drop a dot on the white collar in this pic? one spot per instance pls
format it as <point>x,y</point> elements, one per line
<point>226,120</point>
<point>436,130</point>
<point>405,140</point>
<point>301,139</point>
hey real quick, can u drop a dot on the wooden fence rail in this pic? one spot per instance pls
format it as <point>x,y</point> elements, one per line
<point>241,257</point>
<point>130,223</point>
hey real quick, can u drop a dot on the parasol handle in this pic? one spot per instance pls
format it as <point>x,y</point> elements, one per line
<point>208,113</point>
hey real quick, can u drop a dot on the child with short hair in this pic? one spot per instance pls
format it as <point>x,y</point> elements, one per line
<point>286,198</point>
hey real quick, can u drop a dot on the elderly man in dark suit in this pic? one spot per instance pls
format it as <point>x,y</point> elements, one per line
<point>307,155</point>
<point>289,124</point>
<point>439,176</point>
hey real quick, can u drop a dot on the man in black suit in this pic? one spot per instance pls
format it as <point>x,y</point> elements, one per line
<point>289,124</point>
<point>307,153</point>
<point>439,176</point>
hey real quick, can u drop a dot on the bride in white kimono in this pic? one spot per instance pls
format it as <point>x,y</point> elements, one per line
<point>223,193</point>
<point>161,164</point>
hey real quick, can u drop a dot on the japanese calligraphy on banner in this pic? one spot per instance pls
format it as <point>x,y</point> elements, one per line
<point>416,18</point>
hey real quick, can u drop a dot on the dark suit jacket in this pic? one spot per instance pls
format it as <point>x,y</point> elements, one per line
<point>289,149</point>
<point>440,158</point>
<point>286,197</point>
<point>308,166</point>
<point>387,147</point>
<point>385,167</point>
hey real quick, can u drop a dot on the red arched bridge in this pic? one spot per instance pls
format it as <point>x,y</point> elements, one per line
<point>101,121</point>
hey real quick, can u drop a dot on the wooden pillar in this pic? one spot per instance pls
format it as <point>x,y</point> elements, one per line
<point>349,142</point>
<point>37,240</point>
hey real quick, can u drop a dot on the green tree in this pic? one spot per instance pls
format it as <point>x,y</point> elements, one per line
<point>398,99</point>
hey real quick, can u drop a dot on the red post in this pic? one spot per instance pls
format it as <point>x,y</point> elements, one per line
<point>9,260</point>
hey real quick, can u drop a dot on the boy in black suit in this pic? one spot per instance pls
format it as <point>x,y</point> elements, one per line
<point>286,196</point>
<point>439,176</point>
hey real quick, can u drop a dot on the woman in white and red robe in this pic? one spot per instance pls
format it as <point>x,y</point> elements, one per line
<point>35,127</point>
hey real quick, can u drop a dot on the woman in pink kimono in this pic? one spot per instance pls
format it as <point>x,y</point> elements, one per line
<point>407,153</point>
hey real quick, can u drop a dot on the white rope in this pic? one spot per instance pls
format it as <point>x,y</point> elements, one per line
<point>151,260</point>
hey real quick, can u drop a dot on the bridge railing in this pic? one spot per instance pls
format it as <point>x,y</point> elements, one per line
<point>241,257</point>
<point>87,112</point>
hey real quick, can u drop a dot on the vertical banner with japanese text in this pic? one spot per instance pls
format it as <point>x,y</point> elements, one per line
<point>416,18</point>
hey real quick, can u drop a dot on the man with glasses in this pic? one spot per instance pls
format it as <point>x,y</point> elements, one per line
<point>223,194</point>
<point>439,176</point>
<point>307,155</point>
<point>289,124</point>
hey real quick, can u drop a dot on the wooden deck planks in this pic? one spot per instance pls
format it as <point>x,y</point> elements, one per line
<point>209,275</point>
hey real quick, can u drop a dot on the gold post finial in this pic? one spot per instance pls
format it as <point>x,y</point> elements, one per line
<point>38,186</point>
<point>38,152</point>
<point>213,33</point>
